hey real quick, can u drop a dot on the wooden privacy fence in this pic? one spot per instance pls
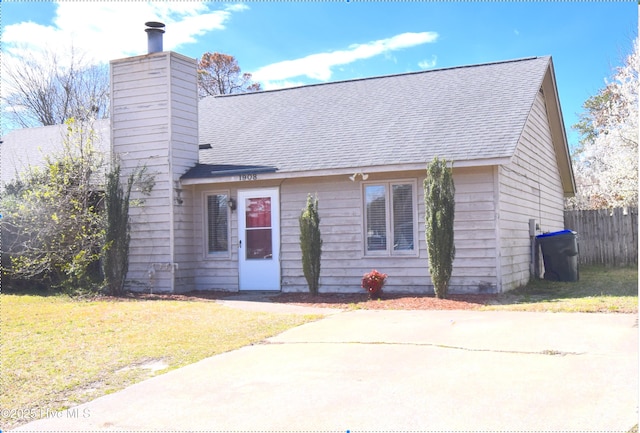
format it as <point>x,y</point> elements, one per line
<point>605,236</point>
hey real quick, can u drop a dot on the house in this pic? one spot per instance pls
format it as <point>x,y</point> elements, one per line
<point>233,172</point>
<point>28,147</point>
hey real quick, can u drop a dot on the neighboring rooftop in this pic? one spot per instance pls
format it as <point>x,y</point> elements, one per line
<point>22,148</point>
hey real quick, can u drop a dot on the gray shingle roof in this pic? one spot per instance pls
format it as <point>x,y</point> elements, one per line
<point>29,147</point>
<point>462,114</point>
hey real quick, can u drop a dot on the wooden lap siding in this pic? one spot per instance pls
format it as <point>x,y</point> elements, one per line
<point>530,187</point>
<point>341,226</point>
<point>218,271</point>
<point>475,266</point>
<point>154,124</point>
<point>184,155</point>
<point>343,258</point>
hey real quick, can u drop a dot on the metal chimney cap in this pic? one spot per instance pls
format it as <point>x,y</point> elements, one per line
<point>154,32</point>
<point>154,24</point>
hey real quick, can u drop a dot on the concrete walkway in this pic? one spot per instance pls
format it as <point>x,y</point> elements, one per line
<point>396,371</point>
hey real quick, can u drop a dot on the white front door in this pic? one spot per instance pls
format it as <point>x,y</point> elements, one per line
<point>259,239</point>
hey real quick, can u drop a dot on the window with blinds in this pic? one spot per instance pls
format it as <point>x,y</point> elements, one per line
<point>389,217</point>
<point>402,211</point>
<point>376,205</point>
<point>217,223</point>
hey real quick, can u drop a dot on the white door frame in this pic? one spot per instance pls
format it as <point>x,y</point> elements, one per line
<point>259,272</point>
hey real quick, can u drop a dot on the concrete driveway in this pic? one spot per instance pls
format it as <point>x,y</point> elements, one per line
<point>399,371</point>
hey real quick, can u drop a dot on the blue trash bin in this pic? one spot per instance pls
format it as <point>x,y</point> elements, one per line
<point>560,255</point>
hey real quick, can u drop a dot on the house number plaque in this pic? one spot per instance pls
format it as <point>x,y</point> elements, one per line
<point>244,177</point>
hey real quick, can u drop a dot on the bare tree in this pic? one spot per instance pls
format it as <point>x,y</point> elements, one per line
<point>219,74</point>
<point>43,90</point>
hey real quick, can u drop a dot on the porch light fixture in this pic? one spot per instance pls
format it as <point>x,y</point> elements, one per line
<point>231,203</point>
<point>353,177</point>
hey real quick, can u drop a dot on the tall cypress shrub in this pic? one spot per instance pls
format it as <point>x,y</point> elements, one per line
<point>116,252</point>
<point>115,260</point>
<point>439,193</point>
<point>311,243</point>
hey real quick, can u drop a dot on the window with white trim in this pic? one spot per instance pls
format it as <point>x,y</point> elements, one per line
<point>390,218</point>
<point>217,223</point>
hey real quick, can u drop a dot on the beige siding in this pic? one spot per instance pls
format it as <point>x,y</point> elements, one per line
<point>154,124</point>
<point>530,188</point>
<point>340,210</point>
<point>475,266</point>
<point>344,260</point>
<point>214,271</point>
<point>140,137</point>
<point>184,155</point>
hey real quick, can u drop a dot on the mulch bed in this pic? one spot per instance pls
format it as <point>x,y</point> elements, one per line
<point>390,301</point>
<point>387,302</point>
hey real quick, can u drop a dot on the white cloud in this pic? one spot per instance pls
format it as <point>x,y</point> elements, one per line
<point>426,63</point>
<point>101,31</point>
<point>318,66</point>
<point>111,30</point>
<point>275,85</point>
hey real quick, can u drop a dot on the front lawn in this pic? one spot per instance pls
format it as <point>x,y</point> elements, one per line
<point>599,290</point>
<point>58,352</point>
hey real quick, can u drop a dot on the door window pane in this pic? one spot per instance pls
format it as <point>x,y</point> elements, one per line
<point>259,245</point>
<point>258,212</point>
<point>258,228</point>
<point>217,223</point>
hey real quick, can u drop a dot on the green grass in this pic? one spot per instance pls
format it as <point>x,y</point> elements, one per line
<point>599,290</point>
<point>58,352</point>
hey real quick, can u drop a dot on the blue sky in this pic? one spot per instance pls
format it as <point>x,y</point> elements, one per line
<point>294,43</point>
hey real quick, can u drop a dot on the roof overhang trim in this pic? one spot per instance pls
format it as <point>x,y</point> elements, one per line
<point>207,171</point>
<point>558,132</point>
<point>233,176</point>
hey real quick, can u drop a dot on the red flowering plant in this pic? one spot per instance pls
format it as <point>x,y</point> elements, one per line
<point>372,282</point>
